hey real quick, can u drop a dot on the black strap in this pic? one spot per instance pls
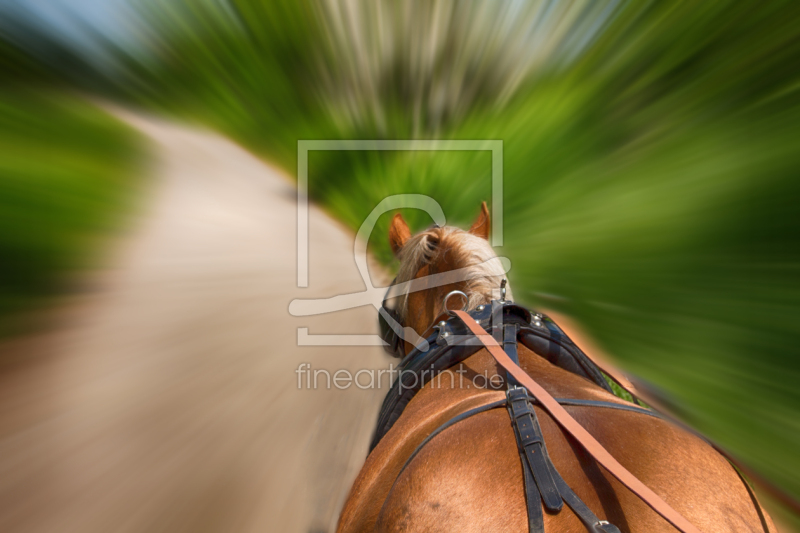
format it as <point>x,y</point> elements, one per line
<point>539,471</point>
<point>456,419</point>
<point>531,441</point>
<point>532,495</point>
<point>509,342</point>
<point>497,321</point>
<point>507,334</point>
<point>574,402</point>
<point>581,510</point>
<point>500,403</point>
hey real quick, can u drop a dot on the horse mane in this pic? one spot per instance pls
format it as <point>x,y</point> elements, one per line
<point>464,251</point>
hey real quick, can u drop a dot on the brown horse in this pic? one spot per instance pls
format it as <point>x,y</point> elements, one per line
<point>469,477</point>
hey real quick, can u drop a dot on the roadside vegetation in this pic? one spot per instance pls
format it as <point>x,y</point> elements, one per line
<point>66,177</point>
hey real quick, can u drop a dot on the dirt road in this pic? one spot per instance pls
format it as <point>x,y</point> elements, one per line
<point>167,398</point>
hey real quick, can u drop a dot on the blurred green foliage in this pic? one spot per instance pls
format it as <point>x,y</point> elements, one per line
<point>66,172</point>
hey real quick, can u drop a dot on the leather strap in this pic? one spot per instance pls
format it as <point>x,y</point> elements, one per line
<point>540,474</point>
<point>531,441</point>
<point>453,421</point>
<point>522,418</point>
<point>510,347</point>
<point>571,426</point>
<point>533,499</point>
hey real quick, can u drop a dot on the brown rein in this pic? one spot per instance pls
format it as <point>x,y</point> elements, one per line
<point>565,420</point>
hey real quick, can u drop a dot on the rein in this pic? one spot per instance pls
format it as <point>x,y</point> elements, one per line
<point>571,426</point>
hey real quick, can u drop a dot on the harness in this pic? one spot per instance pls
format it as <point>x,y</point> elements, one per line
<point>499,327</point>
<point>451,343</point>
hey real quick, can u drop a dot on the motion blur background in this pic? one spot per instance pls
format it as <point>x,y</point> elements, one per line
<point>651,166</point>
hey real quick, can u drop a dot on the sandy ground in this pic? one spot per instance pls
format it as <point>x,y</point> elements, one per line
<point>166,399</point>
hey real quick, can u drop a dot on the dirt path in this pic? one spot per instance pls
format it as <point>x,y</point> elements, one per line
<point>167,400</point>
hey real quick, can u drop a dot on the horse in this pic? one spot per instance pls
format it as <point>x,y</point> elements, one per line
<point>428,473</point>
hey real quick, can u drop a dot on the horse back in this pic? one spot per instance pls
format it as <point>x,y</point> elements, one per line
<point>469,477</point>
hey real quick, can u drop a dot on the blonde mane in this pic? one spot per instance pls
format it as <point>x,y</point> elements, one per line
<point>481,267</point>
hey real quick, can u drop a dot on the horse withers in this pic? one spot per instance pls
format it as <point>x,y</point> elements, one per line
<point>447,457</point>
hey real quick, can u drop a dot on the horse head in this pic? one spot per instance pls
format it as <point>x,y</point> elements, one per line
<point>473,265</point>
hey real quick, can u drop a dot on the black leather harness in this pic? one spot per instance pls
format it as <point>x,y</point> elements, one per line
<point>509,323</point>
<point>450,344</point>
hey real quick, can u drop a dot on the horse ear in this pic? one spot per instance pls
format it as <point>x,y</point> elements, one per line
<point>481,225</point>
<point>398,233</point>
